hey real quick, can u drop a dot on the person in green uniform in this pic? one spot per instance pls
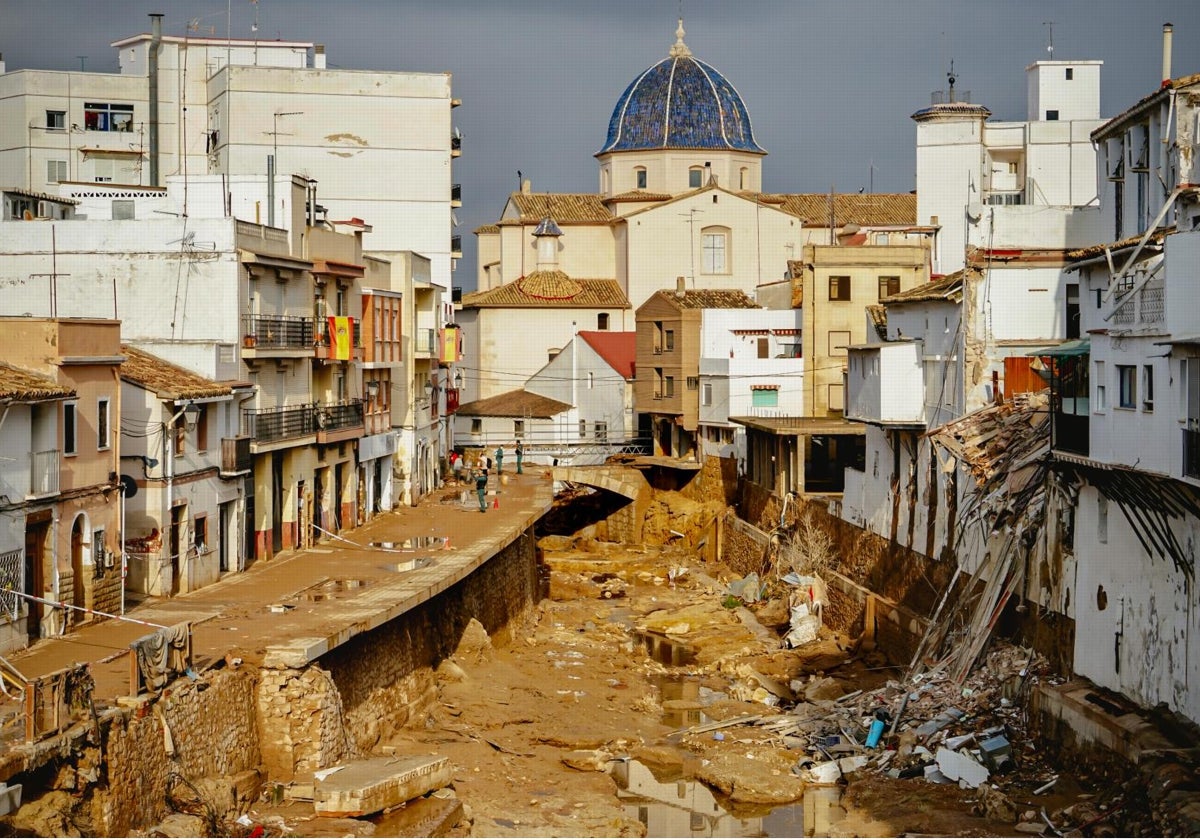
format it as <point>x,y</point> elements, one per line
<point>499,461</point>
<point>481,490</point>
<point>520,456</point>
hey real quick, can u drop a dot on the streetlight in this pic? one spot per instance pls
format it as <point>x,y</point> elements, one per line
<point>458,379</point>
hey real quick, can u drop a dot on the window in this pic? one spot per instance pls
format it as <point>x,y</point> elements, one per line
<point>583,428</point>
<point>591,379</point>
<point>1126,386</point>
<point>1051,115</point>
<point>668,340</point>
<point>56,120</point>
<point>888,286</point>
<point>695,177</point>
<point>1101,389</point>
<point>658,336</point>
<point>658,383</point>
<point>102,170</point>
<point>518,429</point>
<point>476,425</point>
<point>790,351</point>
<point>70,418</point>
<point>713,246</point>
<point>1148,387</point>
<point>839,288</point>
<point>602,321</point>
<point>1070,73</point>
<point>706,394</point>
<point>179,433</point>
<point>764,397</point>
<point>101,116</point>
<point>102,436</point>
<point>99,552</point>
<point>764,348</point>
<point>600,431</point>
<point>639,176</point>
<point>693,382</point>
<point>838,341</point>
<point>56,170</point>
<point>122,210</point>
<point>200,534</point>
<point>202,427</point>
<point>668,386</point>
<point>744,178</point>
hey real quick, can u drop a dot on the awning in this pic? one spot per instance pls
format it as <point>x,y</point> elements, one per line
<point>1075,347</point>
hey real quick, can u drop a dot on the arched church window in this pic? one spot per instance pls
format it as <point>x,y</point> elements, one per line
<point>696,177</point>
<point>744,179</point>
<point>639,175</point>
<point>714,243</point>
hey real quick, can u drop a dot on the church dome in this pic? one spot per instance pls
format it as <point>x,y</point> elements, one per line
<point>680,103</point>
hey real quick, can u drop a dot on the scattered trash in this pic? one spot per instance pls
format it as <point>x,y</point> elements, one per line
<point>961,768</point>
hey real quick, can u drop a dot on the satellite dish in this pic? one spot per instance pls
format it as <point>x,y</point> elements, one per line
<point>974,211</point>
<point>128,486</point>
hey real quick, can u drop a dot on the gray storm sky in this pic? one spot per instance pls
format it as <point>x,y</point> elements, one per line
<point>829,84</point>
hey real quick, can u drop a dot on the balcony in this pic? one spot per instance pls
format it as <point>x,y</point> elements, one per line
<point>455,146</point>
<point>325,348</point>
<point>425,341</point>
<point>885,385</point>
<point>269,425</point>
<point>1004,198</point>
<point>276,335</point>
<point>456,195</point>
<point>338,421</point>
<point>235,456</point>
<point>1144,308</point>
<point>43,474</point>
<point>456,246</point>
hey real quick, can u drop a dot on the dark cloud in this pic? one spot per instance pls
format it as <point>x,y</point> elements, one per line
<point>830,85</point>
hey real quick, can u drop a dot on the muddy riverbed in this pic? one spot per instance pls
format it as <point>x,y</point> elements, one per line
<point>597,719</point>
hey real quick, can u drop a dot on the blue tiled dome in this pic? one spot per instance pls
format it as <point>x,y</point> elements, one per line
<point>680,103</point>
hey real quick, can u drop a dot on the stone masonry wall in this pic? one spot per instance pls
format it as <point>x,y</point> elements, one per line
<point>213,733</point>
<point>301,722</point>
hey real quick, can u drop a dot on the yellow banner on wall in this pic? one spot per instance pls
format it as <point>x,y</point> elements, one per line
<point>341,328</point>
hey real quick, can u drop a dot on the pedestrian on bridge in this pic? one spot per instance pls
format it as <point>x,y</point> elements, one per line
<point>520,456</point>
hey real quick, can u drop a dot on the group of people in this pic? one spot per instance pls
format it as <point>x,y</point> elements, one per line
<point>483,469</point>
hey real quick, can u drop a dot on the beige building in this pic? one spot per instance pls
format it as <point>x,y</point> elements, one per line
<point>73,539</point>
<point>834,285</point>
<point>667,388</point>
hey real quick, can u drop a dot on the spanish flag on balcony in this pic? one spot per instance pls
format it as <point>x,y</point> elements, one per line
<point>341,328</point>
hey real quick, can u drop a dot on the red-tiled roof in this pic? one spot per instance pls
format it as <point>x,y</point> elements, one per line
<point>519,403</point>
<point>618,349</point>
<point>551,288</point>
<point>165,380</point>
<point>21,385</point>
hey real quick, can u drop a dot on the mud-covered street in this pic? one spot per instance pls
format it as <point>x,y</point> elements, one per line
<point>632,705</point>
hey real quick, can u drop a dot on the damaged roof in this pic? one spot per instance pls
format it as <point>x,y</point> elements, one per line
<point>945,288</point>
<point>19,385</point>
<point>519,403</point>
<point>165,380</point>
<point>1144,104</point>
<point>1098,250</point>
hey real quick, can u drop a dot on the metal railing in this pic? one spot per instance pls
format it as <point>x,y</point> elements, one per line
<point>322,337</point>
<point>425,340</point>
<point>265,425</point>
<point>277,331</point>
<point>456,192</point>
<point>12,581</point>
<point>340,415</point>
<point>44,471</point>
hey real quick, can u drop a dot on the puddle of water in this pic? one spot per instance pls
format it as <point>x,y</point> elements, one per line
<point>409,565</point>
<point>412,544</point>
<point>663,650</point>
<point>683,700</point>
<point>686,808</point>
<point>332,588</point>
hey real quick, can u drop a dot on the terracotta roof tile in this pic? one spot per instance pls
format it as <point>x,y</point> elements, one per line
<point>551,288</point>
<point>519,403</point>
<point>564,208</point>
<point>639,195</point>
<point>167,381</point>
<point>1137,107</point>
<point>1156,238</point>
<point>618,349</point>
<point>482,229</point>
<point>708,299</point>
<point>21,385</point>
<point>944,288</point>
<point>860,208</point>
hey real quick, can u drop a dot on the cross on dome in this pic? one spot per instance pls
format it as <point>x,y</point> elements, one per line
<point>679,49</point>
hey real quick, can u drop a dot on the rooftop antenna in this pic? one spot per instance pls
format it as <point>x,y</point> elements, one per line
<point>952,79</point>
<point>1050,49</point>
<point>82,63</point>
<point>519,182</point>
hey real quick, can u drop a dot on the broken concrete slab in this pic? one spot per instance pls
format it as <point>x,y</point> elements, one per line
<point>961,768</point>
<point>375,784</point>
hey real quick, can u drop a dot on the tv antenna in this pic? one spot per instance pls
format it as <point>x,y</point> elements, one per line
<point>1050,49</point>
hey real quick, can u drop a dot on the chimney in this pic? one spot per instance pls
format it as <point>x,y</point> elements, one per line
<point>526,187</point>
<point>1168,30</point>
<point>319,57</point>
<point>680,286</point>
<point>155,43</point>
